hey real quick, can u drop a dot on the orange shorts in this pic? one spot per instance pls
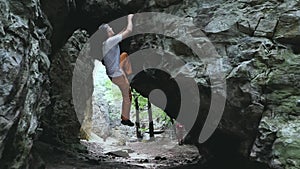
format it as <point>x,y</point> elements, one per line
<point>125,64</point>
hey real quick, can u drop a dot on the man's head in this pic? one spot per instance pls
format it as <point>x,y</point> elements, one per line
<point>105,28</point>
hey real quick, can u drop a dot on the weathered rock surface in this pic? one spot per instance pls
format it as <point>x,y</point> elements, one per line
<point>278,139</point>
<point>60,122</point>
<point>24,83</point>
<point>257,42</point>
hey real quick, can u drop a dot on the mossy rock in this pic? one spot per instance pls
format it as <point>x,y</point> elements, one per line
<point>286,148</point>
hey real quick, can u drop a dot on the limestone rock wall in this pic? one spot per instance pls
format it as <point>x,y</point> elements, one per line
<point>258,41</point>
<point>60,122</point>
<point>24,81</point>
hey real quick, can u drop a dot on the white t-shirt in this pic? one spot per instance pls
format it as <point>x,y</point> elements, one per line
<point>111,53</point>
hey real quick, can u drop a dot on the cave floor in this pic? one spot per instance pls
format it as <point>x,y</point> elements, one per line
<point>111,154</point>
<point>161,152</point>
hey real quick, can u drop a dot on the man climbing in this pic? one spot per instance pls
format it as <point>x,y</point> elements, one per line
<point>118,66</point>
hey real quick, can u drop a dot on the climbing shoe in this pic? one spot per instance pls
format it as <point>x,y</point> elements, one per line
<point>127,123</point>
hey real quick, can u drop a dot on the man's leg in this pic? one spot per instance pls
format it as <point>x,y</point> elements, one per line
<point>125,65</point>
<point>123,85</point>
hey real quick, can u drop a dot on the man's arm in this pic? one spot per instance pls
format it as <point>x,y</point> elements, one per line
<point>128,29</point>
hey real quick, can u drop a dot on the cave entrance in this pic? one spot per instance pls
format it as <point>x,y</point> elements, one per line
<point>109,137</point>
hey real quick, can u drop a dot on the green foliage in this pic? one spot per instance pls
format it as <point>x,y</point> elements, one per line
<point>112,95</point>
<point>160,118</point>
<point>143,129</point>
